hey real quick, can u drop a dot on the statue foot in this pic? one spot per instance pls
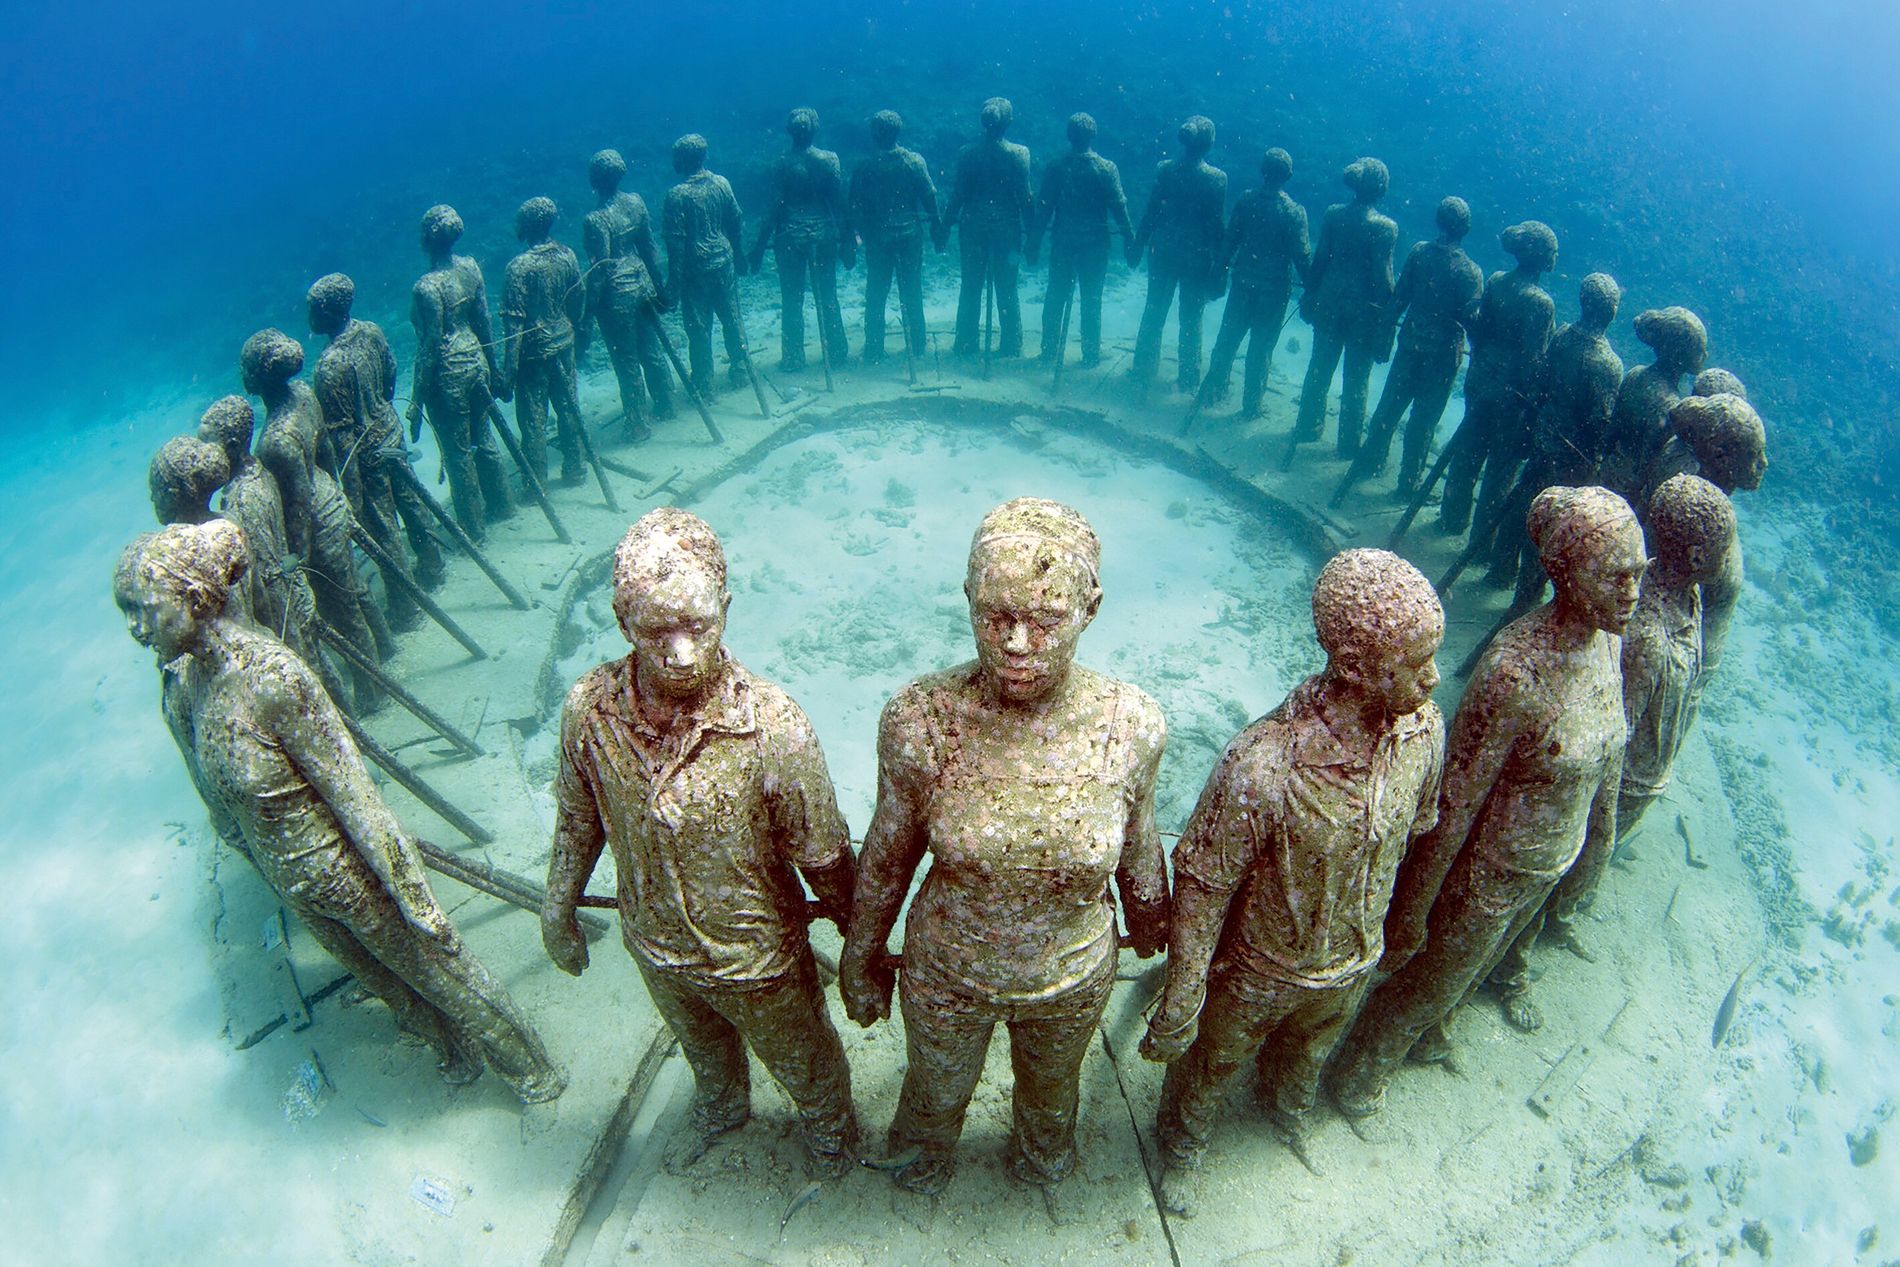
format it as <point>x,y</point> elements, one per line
<point>459,1069</point>
<point>1432,1048</point>
<point>1357,1103</point>
<point>1287,1126</point>
<point>1568,939</point>
<point>543,1086</point>
<point>928,1176</point>
<point>1521,1012</point>
<point>1180,1187</point>
<point>829,1165</point>
<point>696,1138</point>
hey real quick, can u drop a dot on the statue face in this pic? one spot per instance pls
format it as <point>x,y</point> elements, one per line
<point>1401,676</point>
<point>1605,586</point>
<point>1745,465</point>
<point>160,619</point>
<point>676,626</point>
<point>1028,616</point>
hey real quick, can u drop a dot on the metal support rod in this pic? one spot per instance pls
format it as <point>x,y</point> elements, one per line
<point>394,570</point>
<point>686,380</point>
<point>397,691</point>
<point>396,770</point>
<point>462,539</point>
<point>528,476</point>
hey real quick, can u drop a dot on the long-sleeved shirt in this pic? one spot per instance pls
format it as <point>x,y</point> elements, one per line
<point>990,192</point>
<point>702,225</point>
<point>1266,242</point>
<point>1350,282</point>
<point>1081,196</point>
<point>808,200</point>
<point>1182,223</point>
<point>1438,290</point>
<point>1662,658</point>
<point>624,265</point>
<point>355,382</point>
<point>892,196</point>
<point>544,300</point>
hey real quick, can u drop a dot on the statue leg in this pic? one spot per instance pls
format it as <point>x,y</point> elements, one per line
<point>878,269</point>
<point>726,301</point>
<point>1432,383</point>
<point>908,255</point>
<point>1154,319</point>
<point>496,503</point>
<point>972,258</point>
<point>824,289</point>
<point>623,341</point>
<point>696,316</point>
<point>787,1026</point>
<point>1005,266</point>
<point>1235,324</point>
<point>1264,312</point>
<point>1473,438</point>
<point>564,394</point>
<point>945,1042</point>
<point>1047,1042</point>
<point>1355,386</point>
<point>1090,263</point>
<point>379,518</point>
<point>715,1051</point>
<point>531,412</point>
<point>1295,1053</point>
<point>791,299</point>
<point>450,424</point>
<point>1061,286</point>
<point>1187,346</point>
<point>1327,349</point>
<point>1234,1022</point>
<point>655,369</point>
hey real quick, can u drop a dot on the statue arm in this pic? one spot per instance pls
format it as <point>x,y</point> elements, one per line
<point>478,319</point>
<point>768,223</point>
<point>1118,204</point>
<point>893,849</point>
<point>1141,877</point>
<point>802,807</point>
<point>427,320</point>
<point>1045,209</point>
<point>579,838</point>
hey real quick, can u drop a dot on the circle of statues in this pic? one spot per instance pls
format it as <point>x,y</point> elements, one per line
<point>1354,869</point>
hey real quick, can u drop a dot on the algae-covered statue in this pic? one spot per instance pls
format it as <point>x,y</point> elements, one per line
<point>1438,292</point>
<point>543,302</point>
<point>807,225</point>
<point>455,373</point>
<point>316,513</point>
<point>893,203</point>
<point>1282,877</point>
<point>1532,767</point>
<point>703,228</point>
<point>623,272</point>
<point>1348,289</point>
<point>1181,231</point>
<point>709,786</point>
<point>1509,342</point>
<point>991,206</point>
<point>355,382</point>
<point>270,756</point>
<point>1691,530</point>
<point>1266,250</point>
<point>1081,197</point>
<point>1031,782</point>
<point>1640,423</point>
<point>183,475</point>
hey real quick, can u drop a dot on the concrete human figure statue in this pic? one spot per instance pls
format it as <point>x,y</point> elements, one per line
<point>1509,342</point>
<point>707,783</point>
<point>355,383</point>
<point>893,204</point>
<point>1181,230</point>
<point>1582,374</point>
<point>455,374</point>
<point>1266,250</point>
<point>1640,423</point>
<point>1691,531</point>
<point>623,295</point>
<point>1348,290</point>
<point>1438,292</point>
<point>703,228</point>
<point>1282,877</point>
<point>543,302</point>
<point>316,514</point>
<point>807,225</point>
<point>283,783</point>
<point>991,207</point>
<point>1080,200</point>
<point>1532,767</point>
<point>183,475</point>
<point>1030,781</point>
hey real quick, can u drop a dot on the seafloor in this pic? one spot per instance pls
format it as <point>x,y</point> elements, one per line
<point>188,1080</point>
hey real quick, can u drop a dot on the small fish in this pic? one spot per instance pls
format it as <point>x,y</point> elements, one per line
<point>1725,1015</point>
<point>1669,912</point>
<point>1688,845</point>
<point>369,1117</point>
<point>806,1195</point>
<point>891,1165</point>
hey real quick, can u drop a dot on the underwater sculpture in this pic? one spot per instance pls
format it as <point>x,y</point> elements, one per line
<point>806,222</point>
<point>1691,531</point>
<point>182,476</point>
<point>703,229</point>
<point>1348,288</point>
<point>271,757</point>
<point>455,374</point>
<point>1438,292</point>
<point>893,203</point>
<point>316,514</point>
<point>1582,374</point>
<point>623,271</point>
<point>1031,782</point>
<point>1266,249</point>
<point>1531,772</point>
<point>1640,423</point>
<point>1283,874</point>
<point>355,383</point>
<point>543,301</point>
<point>1509,341</point>
<point>710,787</point>
<point>1081,197</point>
<point>991,206</point>
<point>1181,231</point>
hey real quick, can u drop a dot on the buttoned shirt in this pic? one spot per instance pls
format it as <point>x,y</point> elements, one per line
<point>1662,658</point>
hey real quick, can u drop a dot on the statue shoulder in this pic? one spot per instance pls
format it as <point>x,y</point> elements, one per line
<point>597,687</point>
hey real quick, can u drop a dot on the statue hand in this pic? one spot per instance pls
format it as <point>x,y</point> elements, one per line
<point>422,914</point>
<point>414,414</point>
<point>940,237</point>
<point>561,936</point>
<point>866,989</point>
<point>1132,254</point>
<point>1165,1042</point>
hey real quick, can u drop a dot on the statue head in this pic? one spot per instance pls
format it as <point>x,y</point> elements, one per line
<point>689,154</point>
<point>1598,297</point>
<point>1081,130</point>
<point>1367,178</point>
<point>1196,134</point>
<point>1717,382</point>
<point>268,360</point>
<point>534,220</point>
<point>1380,623</point>
<point>329,300</point>
<point>1532,244</point>
<point>996,116</point>
<point>605,170</point>
<point>1454,218</point>
<point>229,424</point>
<point>441,229</point>
<point>802,125</point>
<point>170,583</point>
<point>1276,167</point>
<point>1691,527</point>
<point>184,473</point>
<point>1592,546</point>
<point>1727,437</point>
<point>1033,583</point>
<point>885,126</point>
<point>670,598</point>
<point>1677,336</point>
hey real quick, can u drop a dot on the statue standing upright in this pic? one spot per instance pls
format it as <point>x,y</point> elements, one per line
<point>991,206</point>
<point>1080,199</point>
<point>1348,291</point>
<point>1181,230</point>
<point>807,225</point>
